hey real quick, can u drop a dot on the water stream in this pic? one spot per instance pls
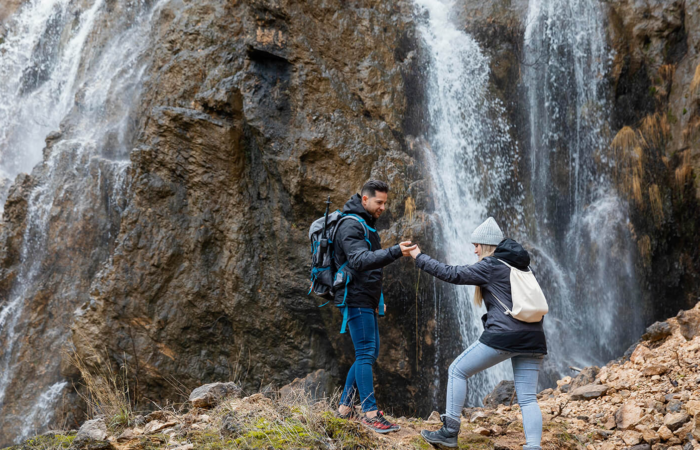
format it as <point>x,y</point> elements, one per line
<point>466,138</point>
<point>580,239</point>
<point>76,69</point>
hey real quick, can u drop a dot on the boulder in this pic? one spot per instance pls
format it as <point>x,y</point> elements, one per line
<point>650,436</point>
<point>664,433</point>
<point>640,354</point>
<point>657,331</point>
<point>689,323</point>
<point>482,431</point>
<point>502,394</point>
<point>674,421</point>
<point>656,369</point>
<point>316,385</point>
<point>586,376</point>
<point>628,415</point>
<point>632,437</point>
<point>211,394</point>
<point>640,447</point>
<point>588,392</point>
<point>94,429</point>
<point>674,406</point>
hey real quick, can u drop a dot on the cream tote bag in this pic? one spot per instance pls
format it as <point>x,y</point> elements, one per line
<point>529,304</point>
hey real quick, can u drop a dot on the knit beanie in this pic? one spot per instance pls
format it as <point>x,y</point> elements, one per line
<point>487,233</point>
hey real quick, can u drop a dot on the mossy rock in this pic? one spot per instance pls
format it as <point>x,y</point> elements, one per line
<point>49,441</point>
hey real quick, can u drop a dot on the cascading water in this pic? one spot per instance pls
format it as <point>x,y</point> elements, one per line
<point>581,243</point>
<point>467,138</point>
<point>76,67</point>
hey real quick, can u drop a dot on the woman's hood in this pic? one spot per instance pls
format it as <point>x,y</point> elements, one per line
<point>513,253</point>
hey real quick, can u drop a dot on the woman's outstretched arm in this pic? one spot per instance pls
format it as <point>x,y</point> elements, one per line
<point>476,274</point>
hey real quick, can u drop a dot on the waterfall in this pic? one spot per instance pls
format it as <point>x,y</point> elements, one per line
<point>581,242</point>
<point>467,139</point>
<point>73,72</point>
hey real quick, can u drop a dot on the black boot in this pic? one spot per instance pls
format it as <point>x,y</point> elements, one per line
<point>445,436</point>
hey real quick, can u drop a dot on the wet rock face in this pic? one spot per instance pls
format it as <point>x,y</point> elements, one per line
<point>253,112</point>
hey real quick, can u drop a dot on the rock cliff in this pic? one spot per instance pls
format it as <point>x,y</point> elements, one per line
<point>189,263</point>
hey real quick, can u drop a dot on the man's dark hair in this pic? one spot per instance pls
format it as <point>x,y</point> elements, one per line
<point>372,186</point>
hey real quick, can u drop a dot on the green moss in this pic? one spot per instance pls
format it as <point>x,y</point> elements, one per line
<point>346,433</point>
<point>671,118</point>
<point>475,442</point>
<point>420,444</point>
<point>685,111</point>
<point>652,90</point>
<point>46,442</point>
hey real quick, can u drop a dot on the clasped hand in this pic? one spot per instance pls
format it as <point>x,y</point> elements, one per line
<point>409,250</point>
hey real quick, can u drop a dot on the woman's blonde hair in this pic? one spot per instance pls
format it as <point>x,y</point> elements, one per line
<point>486,250</point>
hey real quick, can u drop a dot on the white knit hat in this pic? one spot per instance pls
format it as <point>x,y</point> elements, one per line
<point>487,233</point>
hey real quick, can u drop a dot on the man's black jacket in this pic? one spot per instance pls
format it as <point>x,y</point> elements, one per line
<point>365,287</point>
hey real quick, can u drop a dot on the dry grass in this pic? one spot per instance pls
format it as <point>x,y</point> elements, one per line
<point>666,72</point>
<point>654,131</point>
<point>104,389</point>
<point>628,153</point>
<point>644,245</point>
<point>684,172</point>
<point>695,83</point>
<point>657,205</point>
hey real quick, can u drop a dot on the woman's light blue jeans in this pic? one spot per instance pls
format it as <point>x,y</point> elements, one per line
<point>526,368</point>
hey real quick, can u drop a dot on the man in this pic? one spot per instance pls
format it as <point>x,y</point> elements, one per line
<point>359,254</point>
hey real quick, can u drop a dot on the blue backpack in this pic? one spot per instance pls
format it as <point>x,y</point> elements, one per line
<point>326,279</point>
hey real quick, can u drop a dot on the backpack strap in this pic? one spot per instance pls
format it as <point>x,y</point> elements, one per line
<point>365,227</point>
<point>528,267</point>
<point>343,305</point>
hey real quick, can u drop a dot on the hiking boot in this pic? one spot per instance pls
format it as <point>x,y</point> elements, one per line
<point>350,415</point>
<point>445,436</point>
<point>379,423</point>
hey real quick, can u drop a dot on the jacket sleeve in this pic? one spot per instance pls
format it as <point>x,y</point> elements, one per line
<point>476,274</point>
<point>360,258</point>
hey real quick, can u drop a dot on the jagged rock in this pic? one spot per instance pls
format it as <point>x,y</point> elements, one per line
<point>316,385</point>
<point>230,427</point>
<point>155,426</point>
<point>674,406</point>
<point>482,431</point>
<point>640,354</point>
<point>656,369</point>
<point>502,394</point>
<point>692,407</point>
<point>434,417</point>
<point>689,323</point>
<point>211,394</point>
<point>94,429</point>
<point>657,331</point>
<point>674,421</point>
<point>628,415</point>
<point>696,426</point>
<point>631,437</point>
<point>589,392</point>
<point>665,433</point>
<point>586,376</point>
<point>640,447</point>
<point>155,415</point>
<point>650,436</point>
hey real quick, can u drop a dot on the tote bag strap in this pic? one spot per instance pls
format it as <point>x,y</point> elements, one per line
<point>528,267</point>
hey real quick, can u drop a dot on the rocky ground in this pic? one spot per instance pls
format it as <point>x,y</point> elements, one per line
<point>648,399</point>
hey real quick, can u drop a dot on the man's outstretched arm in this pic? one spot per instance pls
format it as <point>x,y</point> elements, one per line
<point>360,257</point>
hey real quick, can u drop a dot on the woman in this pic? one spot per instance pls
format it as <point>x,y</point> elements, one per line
<point>504,337</point>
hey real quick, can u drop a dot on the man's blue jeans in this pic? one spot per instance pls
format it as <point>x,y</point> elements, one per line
<point>364,331</point>
<point>526,368</point>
